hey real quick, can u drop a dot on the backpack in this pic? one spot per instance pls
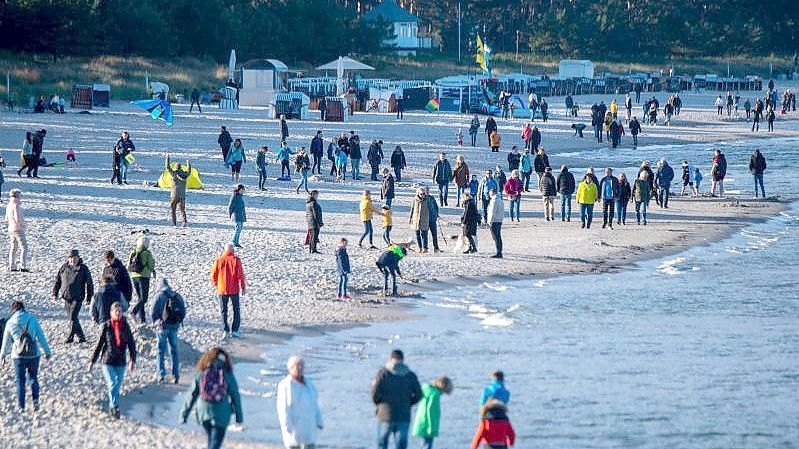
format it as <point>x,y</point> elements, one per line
<point>212,385</point>
<point>135,263</point>
<point>174,311</point>
<point>25,346</point>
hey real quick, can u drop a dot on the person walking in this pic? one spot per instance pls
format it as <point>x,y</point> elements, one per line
<point>236,157</point>
<point>398,162</point>
<point>284,129</point>
<point>195,99</point>
<point>27,154</point>
<point>663,179</point>
<point>719,105</point>
<point>298,407</point>
<point>322,106</point>
<point>487,184</point>
<point>375,157</point>
<point>635,129</point>
<point>168,313</point>
<point>442,175</point>
<point>474,126</point>
<point>419,219</point>
<point>313,218</point>
<point>227,276</point>
<point>514,158</point>
<point>610,191</point>
<point>115,269</point>
<point>343,269</point>
<point>73,285</point>
<point>469,221</point>
<point>302,165</point>
<point>566,185</point>
<point>428,414</point>
<point>355,155</point>
<point>177,193</point>
<point>141,266</point>
<point>36,155</point>
<point>387,188</point>
<point>586,197</point>
<point>367,210</point>
<point>124,147</point>
<point>625,192</point>
<point>432,208</point>
<point>214,396</point>
<point>394,391</point>
<point>317,150</point>
<point>102,300</point>
<point>116,165</point>
<point>283,156</point>
<point>332,150</point>
<point>496,213</point>
<point>718,171</point>
<point>460,176</point>
<point>757,165</point>
<point>495,428</point>
<point>490,127</point>
<point>261,164</point>
<point>341,163</point>
<point>224,141</point>
<point>549,189</point>
<point>640,194</point>
<point>513,190</point>
<point>237,212</point>
<point>770,117</point>
<point>116,338</point>
<point>22,339</point>
<point>526,168</point>
<point>17,243</point>
<point>540,163</point>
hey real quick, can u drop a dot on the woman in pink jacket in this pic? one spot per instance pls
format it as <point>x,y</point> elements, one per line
<point>513,190</point>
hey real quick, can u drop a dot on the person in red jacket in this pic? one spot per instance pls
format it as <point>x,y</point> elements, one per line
<point>227,275</point>
<point>495,429</point>
<point>513,190</point>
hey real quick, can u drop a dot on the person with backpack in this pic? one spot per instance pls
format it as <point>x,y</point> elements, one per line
<point>757,165</point>
<point>73,284</point>
<point>214,396</point>
<point>116,270</point>
<point>237,212</point>
<point>298,407</point>
<point>640,195</point>
<point>116,338</point>
<point>168,313</point>
<point>495,428</point>
<point>227,275</point>
<point>22,339</point>
<point>141,266</point>
<point>394,391</point>
<point>428,413</point>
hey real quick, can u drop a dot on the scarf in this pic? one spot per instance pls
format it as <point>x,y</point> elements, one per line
<point>116,326</point>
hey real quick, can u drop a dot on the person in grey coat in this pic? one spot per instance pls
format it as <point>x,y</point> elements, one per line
<point>237,212</point>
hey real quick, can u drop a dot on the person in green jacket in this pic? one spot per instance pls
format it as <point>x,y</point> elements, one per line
<point>214,415</point>
<point>428,412</point>
<point>141,266</point>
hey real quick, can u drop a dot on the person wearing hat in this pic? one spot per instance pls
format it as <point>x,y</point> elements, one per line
<point>16,233</point>
<point>298,407</point>
<point>25,358</point>
<point>73,284</point>
<point>236,211</point>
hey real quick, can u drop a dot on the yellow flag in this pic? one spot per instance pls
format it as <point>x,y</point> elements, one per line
<point>479,57</point>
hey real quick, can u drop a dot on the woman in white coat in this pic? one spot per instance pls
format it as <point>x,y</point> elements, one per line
<point>298,408</point>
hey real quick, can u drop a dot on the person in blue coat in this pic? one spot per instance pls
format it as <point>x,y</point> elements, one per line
<point>663,179</point>
<point>168,313</point>
<point>236,157</point>
<point>26,363</point>
<point>496,389</point>
<point>237,212</point>
<point>283,156</point>
<point>342,268</point>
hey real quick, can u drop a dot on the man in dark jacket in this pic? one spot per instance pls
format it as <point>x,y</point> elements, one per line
<point>73,284</point>
<point>101,302</point>
<point>375,157</point>
<point>387,189</point>
<point>195,99</point>
<point>442,176</point>
<point>635,129</point>
<point>398,162</point>
<point>317,150</point>
<point>284,129</point>
<point>313,218</point>
<point>609,191</point>
<point>565,183</point>
<point>757,165</point>
<point>169,311</point>
<point>224,140</point>
<point>119,274</point>
<point>540,164</point>
<point>663,179</point>
<point>322,108</point>
<point>394,391</point>
<point>355,155</point>
<point>36,156</point>
<point>535,139</point>
<point>491,125</point>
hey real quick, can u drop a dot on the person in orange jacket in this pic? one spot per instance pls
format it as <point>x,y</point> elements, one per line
<point>495,429</point>
<point>227,275</point>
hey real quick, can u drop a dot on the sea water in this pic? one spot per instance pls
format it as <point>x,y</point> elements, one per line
<point>699,350</point>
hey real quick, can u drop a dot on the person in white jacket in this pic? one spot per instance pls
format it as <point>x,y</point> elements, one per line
<point>496,212</point>
<point>298,408</point>
<point>16,233</point>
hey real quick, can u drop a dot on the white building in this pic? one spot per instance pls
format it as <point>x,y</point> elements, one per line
<point>405,27</point>
<point>260,80</point>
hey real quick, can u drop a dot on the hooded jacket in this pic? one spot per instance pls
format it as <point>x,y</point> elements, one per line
<point>757,163</point>
<point>73,283</point>
<point>298,412</point>
<point>227,274</point>
<point>16,222</point>
<point>17,323</point>
<point>428,413</point>
<point>147,259</point>
<point>342,261</point>
<point>398,159</point>
<point>313,213</point>
<point>121,278</point>
<point>179,178</point>
<point>586,193</point>
<point>236,209</point>
<point>102,300</point>
<point>394,391</point>
<point>495,427</point>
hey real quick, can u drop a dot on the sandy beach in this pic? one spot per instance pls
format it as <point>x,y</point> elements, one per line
<point>289,291</point>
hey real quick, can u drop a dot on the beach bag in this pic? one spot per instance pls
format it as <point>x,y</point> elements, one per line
<point>174,312</point>
<point>25,347</point>
<point>136,264</point>
<point>212,385</point>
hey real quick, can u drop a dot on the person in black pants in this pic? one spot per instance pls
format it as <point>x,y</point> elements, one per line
<point>313,218</point>
<point>38,145</point>
<point>73,284</point>
<point>400,108</point>
<point>195,99</point>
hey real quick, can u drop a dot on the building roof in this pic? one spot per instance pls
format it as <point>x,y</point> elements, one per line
<point>265,64</point>
<point>390,11</point>
<point>347,63</point>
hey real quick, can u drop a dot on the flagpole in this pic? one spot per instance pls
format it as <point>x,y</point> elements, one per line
<point>459,31</point>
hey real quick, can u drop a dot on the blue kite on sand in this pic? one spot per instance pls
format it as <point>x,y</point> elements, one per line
<point>158,109</point>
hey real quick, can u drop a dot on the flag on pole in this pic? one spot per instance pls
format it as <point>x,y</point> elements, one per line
<point>432,105</point>
<point>480,56</point>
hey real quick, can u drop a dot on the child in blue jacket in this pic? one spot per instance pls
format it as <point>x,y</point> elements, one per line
<point>343,269</point>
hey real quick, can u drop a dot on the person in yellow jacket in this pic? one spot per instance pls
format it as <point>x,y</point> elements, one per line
<point>614,108</point>
<point>586,197</point>
<point>387,224</point>
<point>495,140</point>
<point>367,212</point>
